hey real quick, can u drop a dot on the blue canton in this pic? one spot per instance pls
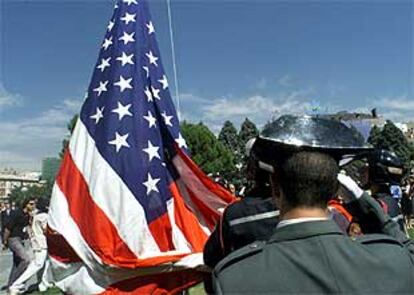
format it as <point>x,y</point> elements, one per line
<point>129,111</point>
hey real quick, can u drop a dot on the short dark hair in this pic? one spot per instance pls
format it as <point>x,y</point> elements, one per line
<point>309,179</point>
<point>26,201</point>
<point>42,205</point>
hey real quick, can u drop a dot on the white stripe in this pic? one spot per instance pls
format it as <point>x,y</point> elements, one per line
<point>197,187</point>
<point>111,195</point>
<point>91,273</point>
<point>254,217</point>
<point>189,203</point>
<point>76,278</point>
<point>178,238</point>
<point>59,219</point>
<point>72,278</point>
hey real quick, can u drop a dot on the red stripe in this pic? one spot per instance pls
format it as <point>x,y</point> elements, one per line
<point>59,249</point>
<point>161,231</point>
<point>211,216</point>
<point>163,283</point>
<point>95,227</point>
<point>218,190</point>
<point>187,222</point>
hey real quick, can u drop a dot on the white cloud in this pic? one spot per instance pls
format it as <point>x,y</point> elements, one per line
<point>18,161</point>
<point>25,142</point>
<point>191,98</point>
<point>72,105</point>
<point>401,103</point>
<point>8,99</point>
<point>398,109</point>
<point>258,108</point>
<point>398,116</point>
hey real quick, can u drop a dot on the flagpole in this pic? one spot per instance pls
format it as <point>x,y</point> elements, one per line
<point>177,97</point>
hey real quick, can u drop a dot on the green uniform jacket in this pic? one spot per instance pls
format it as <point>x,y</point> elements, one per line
<point>315,258</point>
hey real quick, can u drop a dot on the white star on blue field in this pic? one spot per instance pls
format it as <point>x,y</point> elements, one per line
<point>235,59</point>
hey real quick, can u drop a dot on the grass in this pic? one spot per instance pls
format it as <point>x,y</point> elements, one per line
<point>411,233</point>
<point>50,291</point>
<point>197,290</point>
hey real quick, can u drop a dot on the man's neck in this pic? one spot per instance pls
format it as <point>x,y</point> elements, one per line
<point>305,212</point>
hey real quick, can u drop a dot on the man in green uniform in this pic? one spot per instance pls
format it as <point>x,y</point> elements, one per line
<point>308,253</point>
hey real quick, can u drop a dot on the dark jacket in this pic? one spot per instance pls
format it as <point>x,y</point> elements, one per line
<point>17,224</point>
<point>251,219</point>
<point>316,257</point>
<point>5,216</point>
<point>393,208</point>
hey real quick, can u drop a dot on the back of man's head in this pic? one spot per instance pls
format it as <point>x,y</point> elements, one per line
<point>308,179</point>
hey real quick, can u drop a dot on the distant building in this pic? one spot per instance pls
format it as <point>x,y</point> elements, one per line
<point>50,167</point>
<point>410,131</point>
<point>10,179</point>
<point>402,126</point>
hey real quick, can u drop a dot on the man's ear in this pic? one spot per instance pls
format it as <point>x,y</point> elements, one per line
<point>277,192</point>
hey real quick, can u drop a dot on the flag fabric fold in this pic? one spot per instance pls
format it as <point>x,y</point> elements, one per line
<point>130,211</point>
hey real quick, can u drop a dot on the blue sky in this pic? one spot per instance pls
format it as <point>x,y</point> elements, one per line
<point>234,60</point>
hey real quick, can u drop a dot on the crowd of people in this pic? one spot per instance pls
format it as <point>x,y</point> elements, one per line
<point>23,231</point>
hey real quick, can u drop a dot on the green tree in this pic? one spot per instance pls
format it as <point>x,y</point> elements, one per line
<point>206,150</point>
<point>248,130</point>
<point>65,142</point>
<point>18,194</point>
<point>375,136</point>
<point>392,139</point>
<point>228,136</point>
<point>50,167</point>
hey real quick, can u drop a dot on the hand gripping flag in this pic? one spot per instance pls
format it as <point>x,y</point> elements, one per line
<point>130,211</point>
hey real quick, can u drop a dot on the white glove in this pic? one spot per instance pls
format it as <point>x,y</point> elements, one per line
<point>349,184</point>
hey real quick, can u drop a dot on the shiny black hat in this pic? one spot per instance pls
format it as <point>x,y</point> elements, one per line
<point>289,134</point>
<point>385,167</point>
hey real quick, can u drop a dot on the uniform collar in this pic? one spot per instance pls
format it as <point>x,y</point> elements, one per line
<point>287,222</point>
<point>304,230</point>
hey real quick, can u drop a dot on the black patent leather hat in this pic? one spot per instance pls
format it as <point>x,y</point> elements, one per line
<point>289,134</point>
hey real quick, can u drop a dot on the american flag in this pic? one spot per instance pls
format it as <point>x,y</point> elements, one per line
<point>130,211</point>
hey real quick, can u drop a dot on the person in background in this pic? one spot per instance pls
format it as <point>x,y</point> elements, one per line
<point>5,217</point>
<point>2,208</point>
<point>16,236</point>
<point>406,204</point>
<point>232,189</point>
<point>247,220</point>
<point>385,175</point>
<point>39,246</point>
<point>411,198</point>
<point>338,212</point>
